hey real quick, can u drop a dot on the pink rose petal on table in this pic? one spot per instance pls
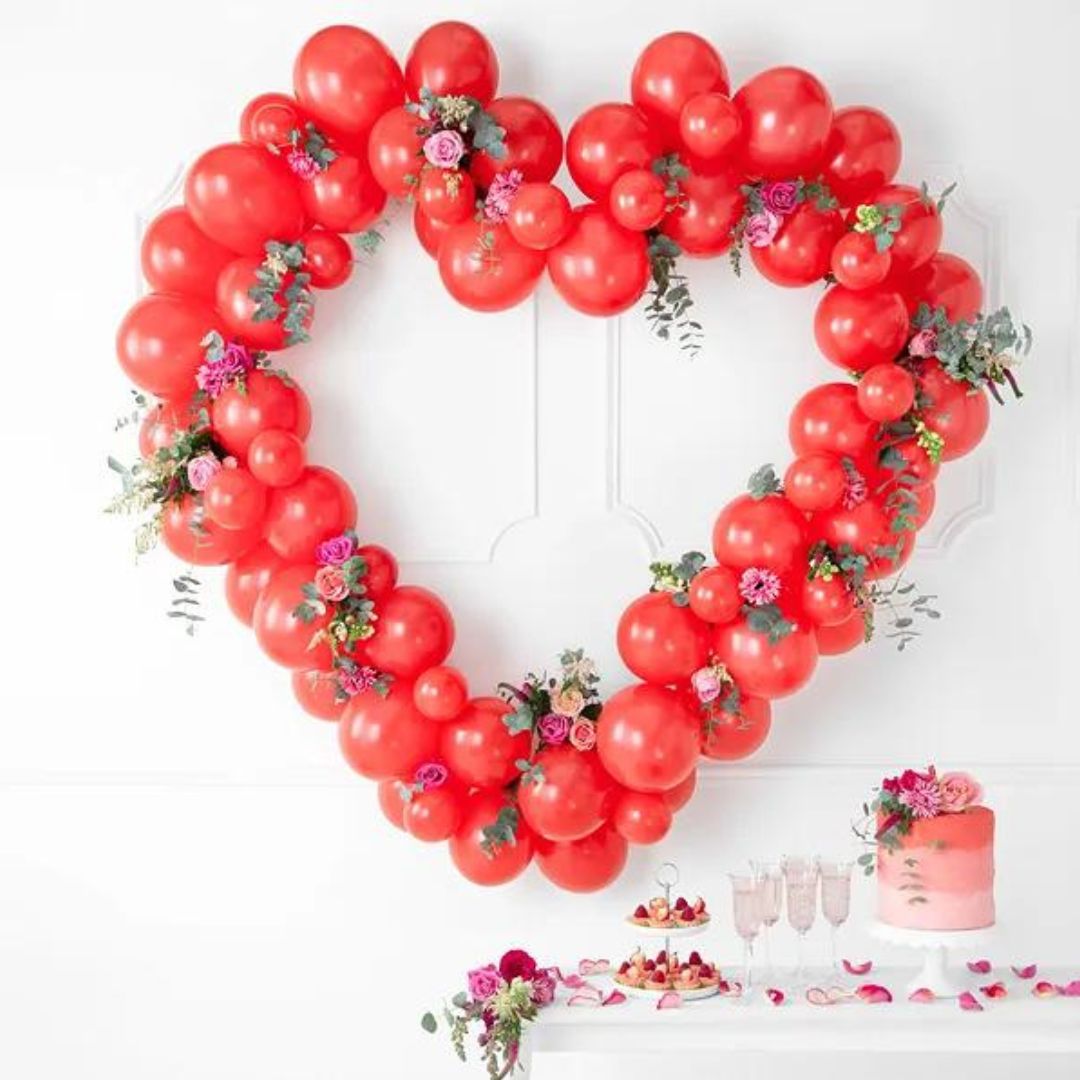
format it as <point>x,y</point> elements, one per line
<point>857,969</point>
<point>922,996</point>
<point>839,994</point>
<point>730,988</point>
<point>979,967</point>
<point>1043,989</point>
<point>616,997</point>
<point>594,967</point>
<point>587,995</point>
<point>968,1002</point>
<point>1027,972</point>
<point>775,996</point>
<point>557,972</point>
<point>816,996</point>
<point>872,994</point>
<point>669,1000</point>
<point>994,990</point>
<point>575,982</point>
<point>1070,989</point>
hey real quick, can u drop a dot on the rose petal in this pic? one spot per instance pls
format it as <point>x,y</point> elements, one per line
<point>556,972</point>
<point>669,1000</point>
<point>979,967</point>
<point>873,994</point>
<point>594,967</point>
<point>1044,989</point>
<point>968,1002</point>
<point>775,996</point>
<point>587,1000</point>
<point>994,990</point>
<point>838,994</point>
<point>730,988</point>
<point>1070,989</point>
<point>922,996</point>
<point>857,969</point>
<point>816,996</point>
<point>575,982</point>
<point>616,997</point>
<point>1027,972</point>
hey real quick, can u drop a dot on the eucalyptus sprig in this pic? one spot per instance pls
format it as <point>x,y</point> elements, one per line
<point>184,605</point>
<point>675,578</point>
<point>284,289</point>
<point>502,831</point>
<point>667,311</point>
<point>764,482</point>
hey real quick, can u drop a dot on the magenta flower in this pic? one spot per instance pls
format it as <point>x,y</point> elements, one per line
<point>355,680</point>
<point>335,551</point>
<point>855,490</point>
<point>501,193</point>
<point>302,164</point>
<point>554,728</point>
<point>431,775</point>
<point>484,982</point>
<point>761,228</point>
<point>920,793</point>
<point>517,964</point>
<point>924,343</point>
<point>215,376</point>
<point>543,991</point>
<point>444,149</point>
<point>758,586</point>
<point>780,196</point>
<point>200,470</point>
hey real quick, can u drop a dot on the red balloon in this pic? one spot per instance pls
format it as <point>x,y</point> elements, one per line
<point>234,499</point>
<point>276,458</point>
<point>925,497</point>
<point>606,141</point>
<point>714,594</point>
<point>834,640</point>
<point>540,216</point>
<point>861,154</point>
<point>347,78</point>
<point>638,200</point>
<point>177,258</point>
<point>946,281</point>
<point>865,528</point>
<point>958,412</point>
<point>327,258</point>
<point>815,481</point>
<point>442,202</point>
<point>710,127</point>
<point>733,736</point>
<point>479,749</point>
<point>708,210</point>
<point>828,418</point>
<point>385,737</point>
<point>920,226</point>
<point>452,58</point>
<point>600,268</point>
<point>786,114</point>
<point>160,425</point>
<point>319,505</point>
<point>642,818</point>
<point>344,197</point>
<point>571,800</point>
<point>857,263</point>
<point>317,693</point>
<point>391,803</point>
<point>469,849</point>
<point>661,642</point>
<point>670,71</point>
<point>441,693</point>
<point>241,196</point>
<point>918,466</point>
<point>435,814</point>
<point>192,538</point>
<point>237,308</point>
<point>415,631</point>
<point>768,533</point>
<point>534,143</point>
<point>648,740</point>
<point>394,152</point>
<point>265,403</point>
<point>763,669</point>
<point>382,570</point>
<point>886,392</point>
<point>678,796</point>
<point>429,233</point>
<point>857,330</point>
<point>284,637</point>
<point>827,603</point>
<point>585,865</point>
<point>801,251</point>
<point>270,119</point>
<point>246,578</point>
<point>485,268</point>
<point>159,343</point>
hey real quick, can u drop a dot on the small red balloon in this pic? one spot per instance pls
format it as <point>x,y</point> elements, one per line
<point>415,631</point>
<point>638,200</point>
<point>441,693</point>
<point>435,814</point>
<point>452,58</point>
<point>815,481</point>
<point>317,693</point>
<point>714,594</point>
<point>534,142</point>
<point>246,578</point>
<point>237,307</point>
<point>711,128</point>
<point>234,499</point>
<point>266,402</point>
<point>862,153</point>
<point>178,258</point>
<point>429,233</point>
<point>385,737</point>
<point>479,749</point>
<point>540,216</point>
<point>886,392</point>
<point>856,330</point>
<point>709,208</point>
<point>606,141</point>
<point>382,570</point>
<point>391,802</point>
<point>269,120</point>
<point>446,197</point>
<point>730,736</point>
<point>585,865</point>
<point>834,640</point>
<point>280,632</point>
<point>642,818</point>
<point>857,262</point>
<point>276,458</point>
<point>192,538</point>
<point>958,412</point>
<point>395,152</point>
<point>678,796</point>
<point>298,517</point>
<point>661,642</point>
<point>827,602</point>
<point>485,268</point>
<point>344,197</point>
<point>471,850</point>
<point>162,423</point>
<point>920,226</point>
<point>327,258</point>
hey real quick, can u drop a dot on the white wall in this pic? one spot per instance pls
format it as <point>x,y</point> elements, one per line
<point>191,882</point>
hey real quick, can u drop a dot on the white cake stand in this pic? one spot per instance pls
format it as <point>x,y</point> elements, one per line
<point>935,946</point>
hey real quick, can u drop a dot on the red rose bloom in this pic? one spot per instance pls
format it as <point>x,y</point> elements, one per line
<point>517,964</point>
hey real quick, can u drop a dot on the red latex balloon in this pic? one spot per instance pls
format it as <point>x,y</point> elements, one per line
<point>435,814</point>
<point>178,258</point>
<point>606,141</point>
<point>862,153</point>
<point>648,740</point>
<point>540,216</point>
<point>248,576</point>
<point>865,528</point>
<point>586,865</point>
<point>385,737</point>
<point>391,803</point>
<point>319,505</point>
<point>237,308</point>
<point>487,275</point>
<point>661,642</point>
<point>958,412</point>
<point>234,499</point>
<point>801,252</point>
<point>317,693</point>
<point>241,196</point>
<point>478,748</point>
<point>886,392</point>
<point>469,849</point>
<point>926,498</point>
<point>441,693</point>
<point>834,640</point>
<point>445,204</point>
<point>346,79</point>
<point>158,343</point>
<point>161,424</point>
<point>573,797</point>
<point>918,466</point>
<point>946,281</point>
<point>394,152</point>
<point>638,200</point>
<point>857,263</point>
<point>382,570</point>
<point>642,818</point>
<point>815,481</point>
<point>828,418</point>
<point>266,402</point>
<point>857,330</point>
<point>285,638</point>
<point>709,208</point>
<point>429,233</point>
<point>534,143</point>
<point>191,538</point>
<point>786,114</point>
<point>600,268</point>
<point>920,226</point>
<point>671,70</point>
<point>276,458</point>
<point>710,128</point>
<point>763,669</point>
<point>827,603</point>
<point>714,594</point>
<point>327,258</point>
<point>734,736</point>
<point>678,796</point>
<point>415,631</point>
<point>768,533</point>
<point>344,197</point>
<point>269,120</point>
<point>452,58</point>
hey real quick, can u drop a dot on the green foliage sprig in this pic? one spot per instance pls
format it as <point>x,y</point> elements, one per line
<point>284,289</point>
<point>675,578</point>
<point>667,311</point>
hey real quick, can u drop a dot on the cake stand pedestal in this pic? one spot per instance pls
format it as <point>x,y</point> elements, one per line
<point>935,946</point>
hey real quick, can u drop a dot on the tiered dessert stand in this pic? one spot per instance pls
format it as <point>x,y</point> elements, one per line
<point>934,945</point>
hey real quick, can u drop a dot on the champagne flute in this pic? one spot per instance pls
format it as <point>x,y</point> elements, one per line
<point>746,906</point>
<point>835,898</point>
<point>771,883</point>
<point>800,881</point>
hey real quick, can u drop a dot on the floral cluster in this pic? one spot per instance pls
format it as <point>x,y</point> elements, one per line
<point>226,365</point>
<point>428,777</point>
<point>308,152</point>
<point>283,290</point>
<point>500,1000</point>
<point>768,203</point>
<point>718,696</point>
<point>675,578</point>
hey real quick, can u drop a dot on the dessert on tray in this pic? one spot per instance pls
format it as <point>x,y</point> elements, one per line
<point>667,972</point>
<point>661,914</point>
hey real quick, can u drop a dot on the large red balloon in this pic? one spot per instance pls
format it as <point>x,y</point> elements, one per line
<point>241,196</point>
<point>661,642</point>
<point>159,343</point>
<point>865,529</point>
<point>266,403</point>
<point>385,737</point>
<point>193,538</point>
<point>452,58</point>
<point>319,505</point>
<point>815,481</point>
<point>391,802</point>
<point>606,141</point>
<point>382,570</point>
<point>648,739</point>
<point>801,252</point>
<point>284,637</point>
<point>237,307</point>
<point>316,692</point>
<point>270,119</point>
<point>862,153</point>
<point>857,330</point>
<point>481,865</point>
<point>178,258</point>
<point>733,736</point>
<point>834,640</point>
<point>600,268</point>
<point>786,114</point>
<point>534,142</point>
<point>415,631</point>
<point>572,797</point>
<point>479,749</point>
<point>920,226</point>
<point>394,149</point>
<point>768,533</point>
<point>485,268</point>
<point>642,817</point>
<point>344,197</point>
<point>946,281</point>
<point>327,258</point>
<point>585,865</point>
<point>709,208</point>
<point>763,669</point>
<point>958,412</point>
<point>828,418</point>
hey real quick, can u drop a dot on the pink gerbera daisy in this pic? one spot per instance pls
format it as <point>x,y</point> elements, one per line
<point>758,586</point>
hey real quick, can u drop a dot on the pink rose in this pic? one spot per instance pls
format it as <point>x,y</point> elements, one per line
<point>706,685</point>
<point>444,149</point>
<point>958,792</point>
<point>583,734</point>
<point>484,982</point>
<point>355,680</point>
<point>330,583</point>
<point>761,228</point>
<point>335,551</point>
<point>554,728</point>
<point>200,469</point>
<point>781,197</point>
<point>431,775</point>
<point>543,991</point>
<point>924,343</point>
<point>568,702</point>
